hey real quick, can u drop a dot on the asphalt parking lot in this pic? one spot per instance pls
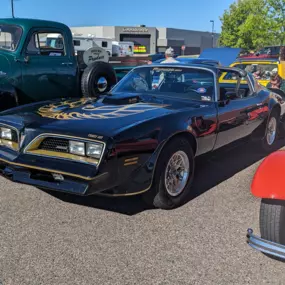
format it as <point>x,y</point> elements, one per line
<point>50,238</point>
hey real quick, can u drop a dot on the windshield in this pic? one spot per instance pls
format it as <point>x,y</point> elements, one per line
<point>10,36</point>
<point>192,83</point>
<point>259,71</point>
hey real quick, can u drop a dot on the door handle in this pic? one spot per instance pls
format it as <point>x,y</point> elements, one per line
<point>2,74</point>
<point>67,63</point>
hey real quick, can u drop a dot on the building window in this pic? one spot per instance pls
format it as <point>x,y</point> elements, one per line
<point>76,43</point>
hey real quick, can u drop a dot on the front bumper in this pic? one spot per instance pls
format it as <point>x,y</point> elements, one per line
<point>265,246</point>
<point>48,178</point>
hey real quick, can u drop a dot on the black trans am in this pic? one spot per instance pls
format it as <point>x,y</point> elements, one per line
<point>140,137</point>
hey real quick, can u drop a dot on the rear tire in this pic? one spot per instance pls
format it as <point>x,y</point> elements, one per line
<point>91,76</point>
<point>168,173</point>
<point>271,132</point>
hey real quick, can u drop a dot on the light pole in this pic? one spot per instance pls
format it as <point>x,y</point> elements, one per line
<point>213,25</point>
<point>12,7</point>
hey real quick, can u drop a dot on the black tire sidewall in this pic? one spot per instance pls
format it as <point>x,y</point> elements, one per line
<point>162,198</point>
<point>272,220</point>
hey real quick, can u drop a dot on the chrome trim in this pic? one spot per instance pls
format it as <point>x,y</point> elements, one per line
<point>265,246</point>
<point>48,135</point>
<point>184,66</point>
<point>48,170</point>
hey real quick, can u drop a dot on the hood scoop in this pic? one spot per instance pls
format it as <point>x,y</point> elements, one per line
<point>121,99</point>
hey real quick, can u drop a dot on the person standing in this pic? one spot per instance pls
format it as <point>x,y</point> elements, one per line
<point>169,56</point>
<point>276,82</point>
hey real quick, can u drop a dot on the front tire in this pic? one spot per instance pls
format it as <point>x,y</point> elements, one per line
<point>173,176</point>
<point>272,222</point>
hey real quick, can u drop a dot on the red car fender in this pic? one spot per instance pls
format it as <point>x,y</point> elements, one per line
<point>268,181</point>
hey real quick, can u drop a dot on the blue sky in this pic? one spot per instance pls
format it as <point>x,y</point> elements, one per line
<point>188,14</point>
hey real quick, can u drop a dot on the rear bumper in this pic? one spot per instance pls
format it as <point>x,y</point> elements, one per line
<point>265,246</point>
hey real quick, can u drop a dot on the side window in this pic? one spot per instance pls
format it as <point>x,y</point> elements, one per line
<point>232,90</point>
<point>104,44</point>
<point>46,44</point>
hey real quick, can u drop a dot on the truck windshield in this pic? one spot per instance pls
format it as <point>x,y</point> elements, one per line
<point>10,36</point>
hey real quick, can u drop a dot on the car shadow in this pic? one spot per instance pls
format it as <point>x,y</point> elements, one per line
<point>211,170</point>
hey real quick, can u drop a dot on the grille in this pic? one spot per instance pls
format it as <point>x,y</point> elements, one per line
<point>55,144</point>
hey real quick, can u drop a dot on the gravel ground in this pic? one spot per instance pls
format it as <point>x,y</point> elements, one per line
<point>50,238</point>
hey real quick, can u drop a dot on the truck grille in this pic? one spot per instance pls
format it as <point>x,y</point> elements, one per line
<point>55,144</point>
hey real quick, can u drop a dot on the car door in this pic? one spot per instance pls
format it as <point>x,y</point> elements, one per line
<point>239,115</point>
<point>49,68</point>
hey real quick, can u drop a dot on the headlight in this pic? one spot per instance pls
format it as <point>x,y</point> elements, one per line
<point>6,134</point>
<point>94,150</point>
<point>77,148</point>
<point>9,138</point>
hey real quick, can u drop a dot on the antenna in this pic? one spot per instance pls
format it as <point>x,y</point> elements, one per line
<point>12,7</point>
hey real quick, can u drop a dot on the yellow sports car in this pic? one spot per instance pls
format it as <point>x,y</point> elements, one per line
<point>262,69</point>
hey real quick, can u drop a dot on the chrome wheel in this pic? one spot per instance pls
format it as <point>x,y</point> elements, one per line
<point>271,131</point>
<point>102,84</point>
<point>177,173</point>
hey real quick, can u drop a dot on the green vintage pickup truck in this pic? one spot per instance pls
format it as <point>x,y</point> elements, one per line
<point>34,69</point>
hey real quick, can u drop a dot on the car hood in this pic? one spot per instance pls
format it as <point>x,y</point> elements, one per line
<point>225,56</point>
<point>105,116</point>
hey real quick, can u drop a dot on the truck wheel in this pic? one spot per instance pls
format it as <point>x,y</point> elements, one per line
<point>97,78</point>
<point>173,176</point>
<point>271,132</point>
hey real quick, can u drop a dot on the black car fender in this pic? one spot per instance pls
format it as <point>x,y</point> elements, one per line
<point>155,134</point>
<point>274,106</point>
<point>8,97</point>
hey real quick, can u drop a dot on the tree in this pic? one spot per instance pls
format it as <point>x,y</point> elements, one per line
<point>247,25</point>
<point>277,16</point>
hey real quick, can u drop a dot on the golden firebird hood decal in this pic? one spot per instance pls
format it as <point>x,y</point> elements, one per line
<point>63,110</point>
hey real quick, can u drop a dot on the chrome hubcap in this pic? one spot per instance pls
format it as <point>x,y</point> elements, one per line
<point>271,131</point>
<point>102,84</point>
<point>177,173</point>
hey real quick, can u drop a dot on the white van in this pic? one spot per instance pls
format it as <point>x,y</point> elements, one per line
<point>122,48</point>
<point>104,43</point>
<point>115,48</point>
<point>126,48</point>
<point>81,43</point>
